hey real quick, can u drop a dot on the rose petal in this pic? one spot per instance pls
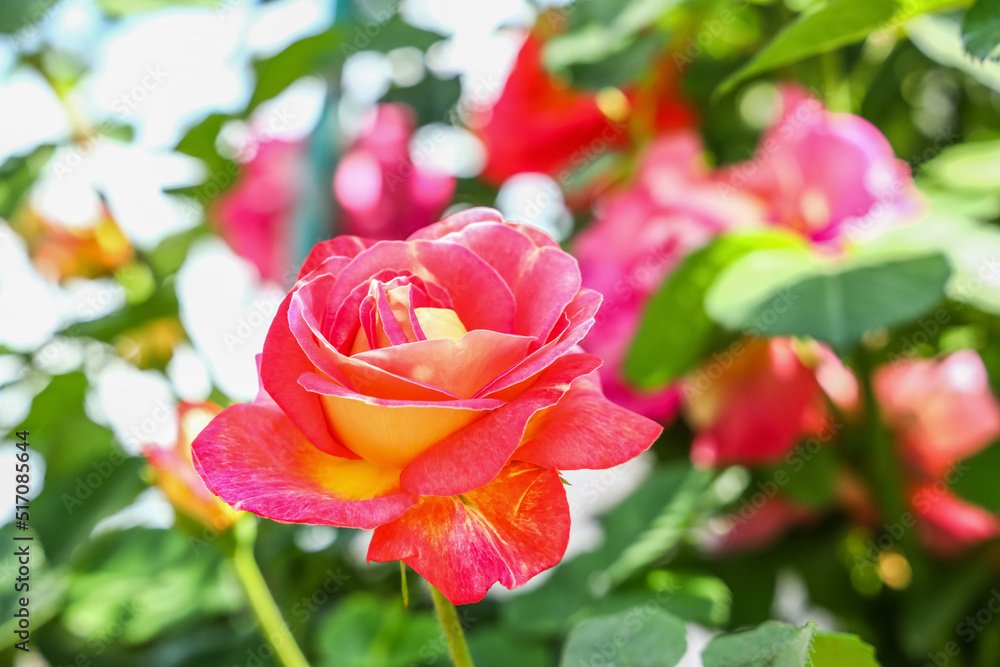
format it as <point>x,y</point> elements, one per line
<point>456,222</point>
<point>254,458</point>
<point>543,280</point>
<point>341,246</point>
<point>460,367</point>
<point>348,371</point>
<point>586,430</point>
<point>473,456</point>
<point>392,433</point>
<point>478,294</point>
<point>507,531</point>
<point>282,362</point>
<point>580,317</point>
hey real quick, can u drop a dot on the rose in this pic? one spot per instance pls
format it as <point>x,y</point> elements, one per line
<point>640,235</point>
<point>751,404</point>
<point>539,123</point>
<point>381,192</point>
<point>831,176</point>
<point>174,473</point>
<point>941,411</point>
<point>257,215</point>
<point>430,389</point>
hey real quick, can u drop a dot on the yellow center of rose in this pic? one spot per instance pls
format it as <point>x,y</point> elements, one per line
<point>436,323</point>
<point>440,323</point>
<point>392,436</point>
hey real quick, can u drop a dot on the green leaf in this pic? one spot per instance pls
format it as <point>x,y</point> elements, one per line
<point>676,330</point>
<point>16,176</point>
<point>618,68</point>
<point>24,15</point>
<point>363,630</point>
<point>120,8</point>
<point>304,57</point>
<point>774,644</point>
<point>981,30</point>
<point>810,478</point>
<point>835,649</point>
<point>967,166</point>
<point>976,479</point>
<point>753,278</point>
<point>838,307</point>
<point>835,24</point>
<point>769,644</point>
<point>502,647</point>
<point>666,530</point>
<point>597,41</point>
<point>635,638</point>
<point>698,598</point>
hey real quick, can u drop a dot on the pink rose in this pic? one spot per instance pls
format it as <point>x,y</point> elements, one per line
<point>831,176</point>
<point>383,195</point>
<point>941,411</point>
<point>948,525</point>
<point>257,215</point>
<point>430,389</point>
<point>755,408</point>
<point>756,525</point>
<point>640,235</point>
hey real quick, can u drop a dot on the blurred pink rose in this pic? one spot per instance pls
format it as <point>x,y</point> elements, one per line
<point>941,411</point>
<point>752,403</point>
<point>761,520</point>
<point>831,176</point>
<point>257,214</point>
<point>639,236</point>
<point>949,525</point>
<point>382,193</point>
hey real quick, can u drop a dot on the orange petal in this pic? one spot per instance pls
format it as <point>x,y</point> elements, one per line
<point>508,531</point>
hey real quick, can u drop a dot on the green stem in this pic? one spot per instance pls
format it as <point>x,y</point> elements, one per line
<point>458,649</point>
<point>886,464</point>
<point>272,625</point>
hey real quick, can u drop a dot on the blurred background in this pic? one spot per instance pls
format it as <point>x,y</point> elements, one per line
<point>166,166</point>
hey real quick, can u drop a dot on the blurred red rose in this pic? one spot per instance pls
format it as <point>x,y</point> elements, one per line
<point>382,193</point>
<point>949,525</point>
<point>541,124</point>
<point>753,403</point>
